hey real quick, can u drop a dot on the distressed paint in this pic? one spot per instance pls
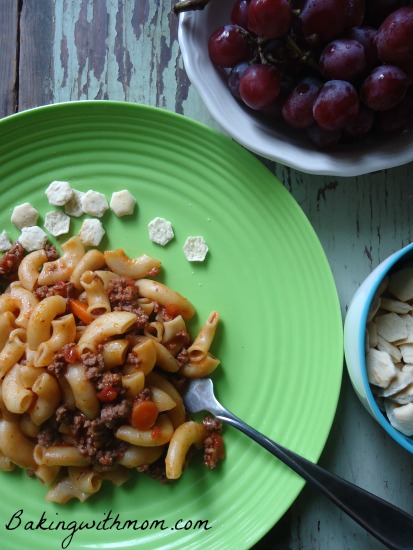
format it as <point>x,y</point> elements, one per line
<point>127,50</point>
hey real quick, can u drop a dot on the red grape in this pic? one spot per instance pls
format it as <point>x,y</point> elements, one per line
<point>321,137</point>
<point>362,123</point>
<point>234,78</point>
<point>228,46</point>
<point>343,59</point>
<point>366,37</point>
<point>260,86</point>
<point>396,120</point>
<point>336,105</point>
<point>407,66</point>
<point>337,69</point>
<point>322,20</point>
<point>394,38</point>
<point>298,108</point>
<point>355,13</point>
<point>275,110</point>
<point>384,87</point>
<point>239,13</point>
<point>270,18</point>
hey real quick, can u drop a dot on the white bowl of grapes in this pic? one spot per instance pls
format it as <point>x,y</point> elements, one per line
<point>320,86</point>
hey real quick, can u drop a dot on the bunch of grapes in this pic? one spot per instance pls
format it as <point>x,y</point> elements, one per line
<point>337,69</point>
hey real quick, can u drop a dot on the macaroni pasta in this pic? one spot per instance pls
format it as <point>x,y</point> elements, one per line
<point>93,353</point>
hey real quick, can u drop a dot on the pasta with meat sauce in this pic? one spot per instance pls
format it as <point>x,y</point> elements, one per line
<point>93,353</point>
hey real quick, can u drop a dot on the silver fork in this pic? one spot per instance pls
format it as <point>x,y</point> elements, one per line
<point>390,525</point>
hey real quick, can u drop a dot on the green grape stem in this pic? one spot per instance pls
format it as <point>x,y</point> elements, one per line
<point>289,52</point>
<point>304,57</point>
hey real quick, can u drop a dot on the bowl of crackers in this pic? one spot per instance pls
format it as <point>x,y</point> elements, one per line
<point>378,345</point>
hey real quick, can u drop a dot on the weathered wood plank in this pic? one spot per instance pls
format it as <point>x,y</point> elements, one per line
<point>121,50</point>
<point>9,21</point>
<point>36,53</point>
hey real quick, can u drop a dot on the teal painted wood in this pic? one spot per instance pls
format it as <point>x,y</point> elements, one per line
<point>128,50</point>
<point>119,50</point>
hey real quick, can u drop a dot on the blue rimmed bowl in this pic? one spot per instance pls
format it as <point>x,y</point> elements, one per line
<point>355,340</point>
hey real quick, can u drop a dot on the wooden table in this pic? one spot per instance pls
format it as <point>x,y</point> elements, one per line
<point>65,50</point>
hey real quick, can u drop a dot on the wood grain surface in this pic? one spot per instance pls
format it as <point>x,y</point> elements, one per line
<point>64,50</point>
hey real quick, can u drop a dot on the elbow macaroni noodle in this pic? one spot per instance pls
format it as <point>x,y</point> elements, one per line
<point>75,351</point>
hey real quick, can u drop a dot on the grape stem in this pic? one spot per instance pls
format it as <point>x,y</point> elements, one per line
<point>189,5</point>
<point>304,57</point>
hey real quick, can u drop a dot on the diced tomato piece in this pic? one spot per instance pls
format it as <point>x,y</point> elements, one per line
<point>172,310</point>
<point>218,445</point>
<point>71,353</point>
<point>107,394</point>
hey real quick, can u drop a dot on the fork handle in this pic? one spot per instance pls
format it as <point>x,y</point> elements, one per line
<point>390,525</point>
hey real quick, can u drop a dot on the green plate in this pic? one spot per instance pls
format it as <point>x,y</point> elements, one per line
<point>280,340</point>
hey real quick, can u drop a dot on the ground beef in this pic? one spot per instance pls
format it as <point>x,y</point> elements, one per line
<point>63,415</point>
<point>183,336</point>
<point>144,395</point>
<point>51,252</point>
<point>122,291</point>
<point>93,437</point>
<point>112,379</point>
<point>97,436</point>
<point>90,359</point>
<point>59,365</point>
<point>115,415</point>
<point>123,296</point>
<point>49,436</point>
<point>157,470</point>
<point>213,444</point>
<point>180,341</point>
<point>76,424</point>
<point>182,357</point>
<point>141,318</point>
<point>95,365</point>
<point>66,356</point>
<point>212,424</point>
<point>108,384</point>
<point>43,292</point>
<point>132,359</point>
<point>164,313</point>
<point>65,289</point>
<point>10,262</point>
<point>106,457</point>
<point>97,439</point>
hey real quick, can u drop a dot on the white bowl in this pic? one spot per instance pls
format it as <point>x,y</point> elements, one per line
<point>281,144</point>
<point>354,341</point>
